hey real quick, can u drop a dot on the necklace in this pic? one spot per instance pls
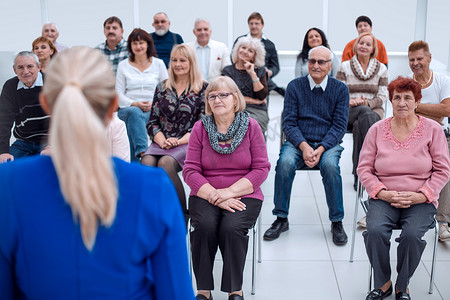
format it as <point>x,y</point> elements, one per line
<point>424,84</point>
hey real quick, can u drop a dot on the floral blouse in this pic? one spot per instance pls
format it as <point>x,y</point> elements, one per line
<point>175,115</point>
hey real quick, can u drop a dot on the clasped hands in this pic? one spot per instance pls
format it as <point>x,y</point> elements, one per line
<point>170,143</point>
<point>311,156</point>
<point>143,105</point>
<point>358,101</point>
<point>226,199</point>
<point>400,199</point>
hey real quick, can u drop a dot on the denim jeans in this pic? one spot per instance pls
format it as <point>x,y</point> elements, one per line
<point>290,160</point>
<point>136,121</point>
<point>24,148</point>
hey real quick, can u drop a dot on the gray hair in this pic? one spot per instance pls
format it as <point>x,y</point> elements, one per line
<point>27,54</point>
<point>260,51</point>
<point>199,20</point>
<point>51,23</point>
<point>161,12</point>
<point>320,47</point>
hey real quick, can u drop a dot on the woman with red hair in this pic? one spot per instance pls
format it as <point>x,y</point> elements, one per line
<point>403,165</point>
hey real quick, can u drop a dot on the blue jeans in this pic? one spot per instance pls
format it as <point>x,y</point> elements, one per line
<point>136,121</point>
<point>24,148</point>
<point>290,160</point>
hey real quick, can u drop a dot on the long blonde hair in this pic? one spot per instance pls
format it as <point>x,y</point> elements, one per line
<point>79,88</point>
<point>195,75</point>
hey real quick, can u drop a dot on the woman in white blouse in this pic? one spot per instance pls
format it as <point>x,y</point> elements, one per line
<point>137,78</point>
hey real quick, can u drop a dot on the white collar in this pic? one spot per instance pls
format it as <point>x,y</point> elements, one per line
<point>37,82</point>
<point>312,84</point>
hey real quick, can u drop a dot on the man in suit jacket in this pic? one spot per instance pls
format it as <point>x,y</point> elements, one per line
<point>212,56</point>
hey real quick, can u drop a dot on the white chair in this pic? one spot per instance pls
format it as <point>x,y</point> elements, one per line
<point>256,243</point>
<point>360,200</point>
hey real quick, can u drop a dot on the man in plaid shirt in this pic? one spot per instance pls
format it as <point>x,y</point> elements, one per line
<point>115,47</point>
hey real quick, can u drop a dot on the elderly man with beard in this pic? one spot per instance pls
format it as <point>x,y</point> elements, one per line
<point>115,47</point>
<point>163,38</point>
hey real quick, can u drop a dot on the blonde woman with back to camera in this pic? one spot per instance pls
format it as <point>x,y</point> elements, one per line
<point>85,226</point>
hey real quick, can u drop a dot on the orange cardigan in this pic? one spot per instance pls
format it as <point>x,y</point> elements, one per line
<point>381,57</point>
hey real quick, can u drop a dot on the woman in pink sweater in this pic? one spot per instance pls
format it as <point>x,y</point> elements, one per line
<point>403,165</point>
<point>226,162</point>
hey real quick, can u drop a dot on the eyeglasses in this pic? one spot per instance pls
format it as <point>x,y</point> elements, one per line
<point>321,62</point>
<point>221,96</point>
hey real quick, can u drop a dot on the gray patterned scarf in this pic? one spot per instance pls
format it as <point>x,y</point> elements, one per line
<point>235,132</point>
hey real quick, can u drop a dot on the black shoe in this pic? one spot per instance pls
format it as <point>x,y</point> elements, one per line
<point>378,294</point>
<point>276,229</point>
<point>339,236</point>
<point>201,297</point>
<point>402,296</point>
<point>236,297</point>
<point>280,90</point>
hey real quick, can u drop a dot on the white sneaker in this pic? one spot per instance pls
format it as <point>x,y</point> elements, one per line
<point>444,233</point>
<point>362,222</point>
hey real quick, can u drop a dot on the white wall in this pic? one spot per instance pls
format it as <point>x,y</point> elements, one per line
<point>286,21</point>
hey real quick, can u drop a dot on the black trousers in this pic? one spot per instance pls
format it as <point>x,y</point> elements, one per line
<point>214,227</point>
<point>360,118</point>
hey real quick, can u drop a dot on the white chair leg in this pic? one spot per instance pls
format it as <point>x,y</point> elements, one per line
<point>254,258</point>
<point>259,237</point>
<point>359,195</point>
<point>433,262</point>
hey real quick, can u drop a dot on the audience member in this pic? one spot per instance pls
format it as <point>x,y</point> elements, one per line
<point>44,49</point>
<point>256,24</point>
<point>50,30</point>
<point>163,38</point>
<point>364,25</point>
<point>178,103</point>
<point>367,81</point>
<point>435,105</point>
<point>226,163</point>
<point>314,37</point>
<point>86,226</point>
<point>118,138</point>
<point>115,47</point>
<point>212,56</point>
<point>137,78</point>
<point>19,105</point>
<point>314,120</point>
<point>404,164</point>
<point>250,76</point>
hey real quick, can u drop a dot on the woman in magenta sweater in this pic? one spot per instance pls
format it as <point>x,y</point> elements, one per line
<point>226,162</point>
<point>403,165</point>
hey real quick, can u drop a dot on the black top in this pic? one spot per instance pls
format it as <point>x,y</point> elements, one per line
<point>22,107</point>
<point>245,83</point>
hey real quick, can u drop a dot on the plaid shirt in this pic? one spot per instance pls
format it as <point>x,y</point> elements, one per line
<point>115,56</point>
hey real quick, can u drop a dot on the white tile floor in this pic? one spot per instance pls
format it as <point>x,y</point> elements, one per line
<point>304,263</point>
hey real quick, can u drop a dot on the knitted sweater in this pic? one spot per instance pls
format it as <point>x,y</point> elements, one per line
<point>371,85</point>
<point>420,163</point>
<point>315,115</point>
<point>22,107</point>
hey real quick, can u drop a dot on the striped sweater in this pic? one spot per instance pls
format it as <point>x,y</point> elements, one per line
<point>372,85</point>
